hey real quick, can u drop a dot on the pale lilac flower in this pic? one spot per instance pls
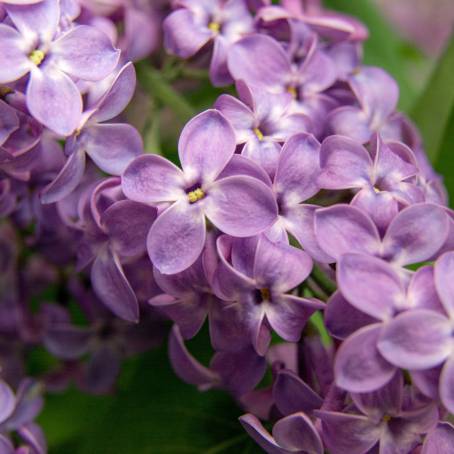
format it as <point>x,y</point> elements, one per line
<point>261,123</point>
<point>35,47</point>
<point>258,290</point>
<point>112,146</point>
<point>197,22</point>
<point>383,178</point>
<point>238,205</point>
<point>440,439</point>
<point>422,339</point>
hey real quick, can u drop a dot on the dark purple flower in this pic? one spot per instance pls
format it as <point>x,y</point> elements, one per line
<point>238,205</point>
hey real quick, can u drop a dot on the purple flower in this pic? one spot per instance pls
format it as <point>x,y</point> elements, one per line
<point>440,439</point>
<point>382,420</point>
<point>198,22</point>
<point>383,178</point>
<point>111,146</point>
<point>415,234</point>
<point>295,433</point>
<point>422,339</point>
<point>53,60</point>
<point>261,123</point>
<point>248,277</point>
<point>377,94</point>
<point>238,205</point>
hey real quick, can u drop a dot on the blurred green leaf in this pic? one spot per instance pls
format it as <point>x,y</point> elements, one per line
<point>431,112</point>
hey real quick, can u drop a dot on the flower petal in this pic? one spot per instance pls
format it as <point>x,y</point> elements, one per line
<point>444,281</point>
<point>112,146</point>
<point>112,288</point>
<point>370,284</point>
<point>439,440</point>
<point>85,52</point>
<point>416,339</point>
<point>343,228</point>
<point>344,164</point>
<point>54,100</point>
<point>8,401</point>
<point>241,206</point>
<point>206,145</point>
<point>152,179</point>
<point>260,435</point>
<point>447,384</point>
<point>359,367</point>
<point>177,237</point>
<point>13,61</point>
<point>350,122</point>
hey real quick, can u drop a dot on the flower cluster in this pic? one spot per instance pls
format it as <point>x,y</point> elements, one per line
<point>306,193</point>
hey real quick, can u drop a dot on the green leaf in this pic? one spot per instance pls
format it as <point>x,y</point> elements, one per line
<point>431,112</point>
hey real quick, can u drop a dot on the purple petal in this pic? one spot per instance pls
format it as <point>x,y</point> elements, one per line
<point>6,447</point>
<point>13,62</point>
<point>240,116</point>
<point>263,152</point>
<point>8,401</point>
<point>240,165</point>
<point>298,164</point>
<point>219,72</point>
<point>9,121</point>
<point>206,145</point>
<point>34,436</point>
<point>447,384</point>
<point>185,365</point>
<point>177,237</point>
<point>152,179</point>
<point>350,122</point>
<point>344,164</point>
<point>260,435</point>
<point>188,313</point>
<point>291,394</point>
<point>342,319</point>
<point>444,282</point>
<point>41,17</point>
<point>421,292</point>
<point>85,53</point>
<point>240,371</point>
<point>67,341</point>
<point>295,266</point>
<point>348,434</point>
<point>112,288</point>
<point>67,180</point>
<point>370,284</point>
<point>427,381</point>
<point>54,100</point>
<point>259,60</point>
<point>288,315</point>
<point>359,367</point>
<point>297,434</point>
<point>343,228</point>
<point>118,96</point>
<point>416,233</point>
<point>183,36</point>
<point>127,223</point>
<point>112,146</point>
<point>439,440</point>
<point>241,206</point>
<point>416,339</point>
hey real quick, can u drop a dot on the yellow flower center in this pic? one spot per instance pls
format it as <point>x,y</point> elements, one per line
<point>214,27</point>
<point>37,56</point>
<point>292,90</point>
<point>386,418</point>
<point>196,195</point>
<point>258,133</point>
<point>266,295</point>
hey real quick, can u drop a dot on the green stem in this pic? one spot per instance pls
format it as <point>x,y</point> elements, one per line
<point>158,87</point>
<point>324,282</point>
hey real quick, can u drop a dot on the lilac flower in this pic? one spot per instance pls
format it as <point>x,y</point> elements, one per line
<point>382,420</point>
<point>196,23</point>
<point>422,339</point>
<point>295,433</point>
<point>261,61</point>
<point>415,234</point>
<point>375,288</point>
<point>440,439</point>
<point>377,94</point>
<point>247,276</point>
<point>111,146</point>
<point>113,231</point>
<point>383,181</point>
<point>261,123</point>
<point>9,122</point>
<point>238,205</point>
<point>52,60</point>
